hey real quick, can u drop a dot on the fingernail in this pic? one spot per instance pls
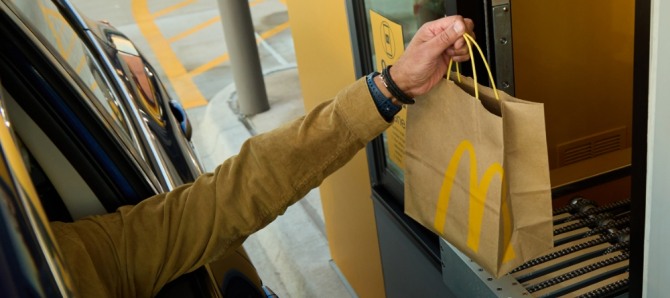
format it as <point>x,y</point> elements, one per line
<point>459,27</point>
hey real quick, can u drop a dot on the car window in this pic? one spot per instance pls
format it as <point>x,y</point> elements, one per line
<point>23,224</point>
<point>63,39</point>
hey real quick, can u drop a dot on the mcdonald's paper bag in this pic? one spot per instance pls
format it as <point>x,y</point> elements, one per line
<point>477,173</point>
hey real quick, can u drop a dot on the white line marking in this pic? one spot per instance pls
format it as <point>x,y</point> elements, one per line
<point>270,49</point>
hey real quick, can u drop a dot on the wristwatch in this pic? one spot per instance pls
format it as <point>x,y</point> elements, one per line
<point>384,104</point>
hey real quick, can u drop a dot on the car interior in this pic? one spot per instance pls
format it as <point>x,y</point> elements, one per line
<point>64,194</point>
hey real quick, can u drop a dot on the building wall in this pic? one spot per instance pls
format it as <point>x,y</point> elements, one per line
<point>325,65</point>
<point>656,263</point>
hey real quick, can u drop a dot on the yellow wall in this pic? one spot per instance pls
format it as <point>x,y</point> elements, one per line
<point>325,65</point>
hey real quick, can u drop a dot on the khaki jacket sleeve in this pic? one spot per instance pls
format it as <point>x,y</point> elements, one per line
<point>138,249</point>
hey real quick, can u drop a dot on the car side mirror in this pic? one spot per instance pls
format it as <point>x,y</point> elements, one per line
<point>180,114</point>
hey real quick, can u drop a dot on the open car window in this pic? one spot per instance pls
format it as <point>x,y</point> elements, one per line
<point>27,247</point>
<point>61,189</point>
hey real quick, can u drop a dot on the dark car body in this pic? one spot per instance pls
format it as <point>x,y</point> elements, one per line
<point>87,127</point>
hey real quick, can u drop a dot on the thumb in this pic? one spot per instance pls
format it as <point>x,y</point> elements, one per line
<point>446,38</point>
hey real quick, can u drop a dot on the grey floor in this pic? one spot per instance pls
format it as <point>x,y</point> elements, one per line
<point>291,254</point>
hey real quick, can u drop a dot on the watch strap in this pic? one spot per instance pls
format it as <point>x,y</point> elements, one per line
<point>384,104</point>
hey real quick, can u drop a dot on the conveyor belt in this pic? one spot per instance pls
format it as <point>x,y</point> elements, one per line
<point>591,253</point>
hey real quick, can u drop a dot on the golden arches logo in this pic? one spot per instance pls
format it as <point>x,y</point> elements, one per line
<point>478,190</point>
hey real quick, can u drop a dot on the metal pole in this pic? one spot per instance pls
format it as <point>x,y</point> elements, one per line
<point>241,43</point>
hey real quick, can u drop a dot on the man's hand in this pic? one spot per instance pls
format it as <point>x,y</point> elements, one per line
<point>427,56</point>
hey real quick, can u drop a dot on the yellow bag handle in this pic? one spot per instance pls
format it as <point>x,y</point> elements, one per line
<point>469,40</point>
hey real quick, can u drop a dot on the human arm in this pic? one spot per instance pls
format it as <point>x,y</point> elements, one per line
<point>139,248</point>
<point>136,250</point>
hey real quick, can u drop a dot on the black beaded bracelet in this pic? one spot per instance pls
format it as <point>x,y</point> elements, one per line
<point>393,88</point>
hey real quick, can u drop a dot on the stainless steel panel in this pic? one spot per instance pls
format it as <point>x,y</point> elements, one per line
<point>502,46</point>
<point>464,277</point>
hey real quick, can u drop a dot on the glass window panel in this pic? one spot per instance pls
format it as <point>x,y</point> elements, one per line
<point>57,32</point>
<point>410,15</point>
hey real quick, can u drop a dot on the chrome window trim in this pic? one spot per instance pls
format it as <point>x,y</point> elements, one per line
<point>161,159</point>
<point>159,155</point>
<point>150,143</point>
<point>99,53</point>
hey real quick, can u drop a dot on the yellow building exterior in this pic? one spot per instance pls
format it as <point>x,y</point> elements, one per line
<point>325,65</point>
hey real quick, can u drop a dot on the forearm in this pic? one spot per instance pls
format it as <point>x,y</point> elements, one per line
<point>174,233</point>
<point>136,250</point>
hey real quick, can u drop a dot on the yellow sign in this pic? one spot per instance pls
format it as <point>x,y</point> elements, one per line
<point>388,46</point>
<point>478,190</point>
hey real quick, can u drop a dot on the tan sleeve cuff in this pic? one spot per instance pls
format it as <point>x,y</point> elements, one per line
<point>359,111</point>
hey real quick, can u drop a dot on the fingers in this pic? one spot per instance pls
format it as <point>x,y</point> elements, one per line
<point>427,56</point>
<point>459,51</point>
<point>434,28</point>
<point>459,55</point>
<point>469,28</point>
<point>452,32</point>
<point>445,32</point>
<point>454,51</point>
<point>462,58</point>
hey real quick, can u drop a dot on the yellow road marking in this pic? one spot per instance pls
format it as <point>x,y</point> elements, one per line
<point>181,79</point>
<point>80,65</point>
<point>225,57</point>
<point>194,29</point>
<point>52,27</point>
<point>204,25</point>
<point>209,65</point>
<point>187,92</point>
<point>67,52</point>
<point>274,31</point>
<point>94,85</point>
<point>56,22</point>
<point>255,2</point>
<point>170,9</point>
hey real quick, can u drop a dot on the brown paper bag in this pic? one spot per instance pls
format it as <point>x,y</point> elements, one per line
<point>477,173</point>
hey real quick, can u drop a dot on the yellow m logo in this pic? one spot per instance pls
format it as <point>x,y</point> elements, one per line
<point>477,190</point>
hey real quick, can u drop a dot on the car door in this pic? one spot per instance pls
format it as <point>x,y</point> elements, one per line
<point>81,152</point>
<point>84,148</point>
